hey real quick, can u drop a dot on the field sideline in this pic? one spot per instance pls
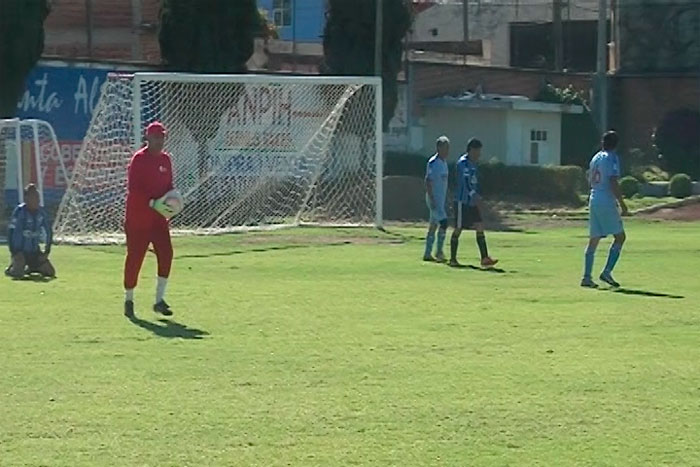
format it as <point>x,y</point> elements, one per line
<point>337,347</point>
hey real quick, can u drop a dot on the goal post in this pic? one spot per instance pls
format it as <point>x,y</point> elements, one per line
<point>249,151</point>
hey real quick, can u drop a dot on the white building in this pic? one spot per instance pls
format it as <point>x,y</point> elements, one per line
<point>491,22</point>
<point>513,129</point>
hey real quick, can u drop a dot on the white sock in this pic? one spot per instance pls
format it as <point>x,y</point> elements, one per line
<point>129,295</point>
<point>160,288</point>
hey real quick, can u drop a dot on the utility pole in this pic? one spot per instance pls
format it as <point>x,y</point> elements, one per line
<point>88,21</point>
<point>294,35</point>
<point>558,35</point>
<point>465,20</point>
<point>601,88</point>
<point>378,36</point>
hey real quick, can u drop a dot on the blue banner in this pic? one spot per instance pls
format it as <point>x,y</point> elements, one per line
<point>64,96</point>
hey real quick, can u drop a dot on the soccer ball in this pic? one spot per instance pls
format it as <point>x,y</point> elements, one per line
<point>174,201</point>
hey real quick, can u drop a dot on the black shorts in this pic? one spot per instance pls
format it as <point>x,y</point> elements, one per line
<point>466,216</point>
<point>34,261</point>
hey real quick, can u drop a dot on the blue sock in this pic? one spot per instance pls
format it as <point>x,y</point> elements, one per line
<point>613,256</point>
<point>429,240</point>
<point>441,240</point>
<point>589,256</point>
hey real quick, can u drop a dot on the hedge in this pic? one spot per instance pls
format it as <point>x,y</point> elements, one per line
<point>629,186</point>
<point>681,186</point>
<point>549,183</point>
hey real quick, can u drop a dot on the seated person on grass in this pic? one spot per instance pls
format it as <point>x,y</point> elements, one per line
<point>28,227</point>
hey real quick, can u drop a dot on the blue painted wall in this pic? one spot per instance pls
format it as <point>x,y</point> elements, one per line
<point>308,19</point>
<point>65,95</point>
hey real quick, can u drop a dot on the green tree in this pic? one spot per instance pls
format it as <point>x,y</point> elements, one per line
<point>21,45</point>
<point>209,36</point>
<point>348,43</point>
<point>212,36</point>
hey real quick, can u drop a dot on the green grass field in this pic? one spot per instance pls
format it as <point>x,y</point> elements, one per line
<point>315,347</point>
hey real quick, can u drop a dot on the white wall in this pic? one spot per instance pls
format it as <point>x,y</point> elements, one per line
<point>505,133</point>
<point>461,124</point>
<point>519,125</point>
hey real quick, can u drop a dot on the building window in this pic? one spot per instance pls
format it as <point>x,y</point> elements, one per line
<point>282,13</point>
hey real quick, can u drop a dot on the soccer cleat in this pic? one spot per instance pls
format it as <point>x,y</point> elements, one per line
<point>429,259</point>
<point>588,282</point>
<point>162,308</point>
<point>608,279</point>
<point>440,257</point>
<point>454,263</point>
<point>129,309</point>
<point>488,262</point>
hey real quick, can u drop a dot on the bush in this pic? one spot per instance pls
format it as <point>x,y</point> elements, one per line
<point>541,183</point>
<point>629,186</point>
<point>681,186</point>
<point>649,173</point>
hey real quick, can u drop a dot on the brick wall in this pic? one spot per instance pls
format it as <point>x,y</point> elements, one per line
<point>117,33</point>
<point>639,103</point>
<point>438,79</point>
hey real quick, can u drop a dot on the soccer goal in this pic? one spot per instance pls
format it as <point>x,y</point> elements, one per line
<point>249,151</point>
<point>29,153</point>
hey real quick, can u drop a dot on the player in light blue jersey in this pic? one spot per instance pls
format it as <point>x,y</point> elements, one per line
<point>436,178</point>
<point>605,217</point>
<point>468,204</point>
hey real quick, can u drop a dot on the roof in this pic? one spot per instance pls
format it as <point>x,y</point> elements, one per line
<point>470,100</point>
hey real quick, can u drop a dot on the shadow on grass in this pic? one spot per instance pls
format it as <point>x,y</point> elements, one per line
<point>263,250</point>
<point>169,329</point>
<point>643,293</point>
<point>472,267</point>
<point>34,278</point>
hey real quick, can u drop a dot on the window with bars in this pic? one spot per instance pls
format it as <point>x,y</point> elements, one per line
<point>282,13</point>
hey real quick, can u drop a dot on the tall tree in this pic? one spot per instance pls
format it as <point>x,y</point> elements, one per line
<point>348,42</point>
<point>208,36</point>
<point>21,45</point>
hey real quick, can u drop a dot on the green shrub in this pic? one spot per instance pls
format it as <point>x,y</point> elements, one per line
<point>681,186</point>
<point>535,182</point>
<point>543,183</point>
<point>629,186</point>
<point>649,173</point>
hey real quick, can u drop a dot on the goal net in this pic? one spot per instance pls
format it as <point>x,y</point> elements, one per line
<point>248,152</point>
<point>29,153</point>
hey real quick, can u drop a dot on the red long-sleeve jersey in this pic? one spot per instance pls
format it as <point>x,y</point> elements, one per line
<point>149,176</point>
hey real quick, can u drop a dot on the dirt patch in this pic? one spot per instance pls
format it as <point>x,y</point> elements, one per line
<point>687,213</point>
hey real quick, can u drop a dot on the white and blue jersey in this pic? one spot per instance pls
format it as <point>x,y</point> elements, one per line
<point>467,181</point>
<point>436,173</point>
<point>28,230</point>
<point>604,215</point>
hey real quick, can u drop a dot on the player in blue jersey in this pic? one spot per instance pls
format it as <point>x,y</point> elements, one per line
<point>436,179</point>
<point>605,218</point>
<point>29,226</point>
<point>468,204</point>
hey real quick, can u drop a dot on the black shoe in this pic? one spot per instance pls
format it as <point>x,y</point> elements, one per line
<point>162,308</point>
<point>129,309</point>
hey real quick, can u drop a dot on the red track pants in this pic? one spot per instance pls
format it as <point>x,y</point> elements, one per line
<point>137,242</point>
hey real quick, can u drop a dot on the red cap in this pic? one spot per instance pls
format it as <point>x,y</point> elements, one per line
<point>155,128</point>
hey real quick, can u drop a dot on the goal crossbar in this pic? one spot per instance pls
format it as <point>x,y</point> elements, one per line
<point>249,152</point>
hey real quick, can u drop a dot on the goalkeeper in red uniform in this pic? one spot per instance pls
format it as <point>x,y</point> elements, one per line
<point>149,178</point>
